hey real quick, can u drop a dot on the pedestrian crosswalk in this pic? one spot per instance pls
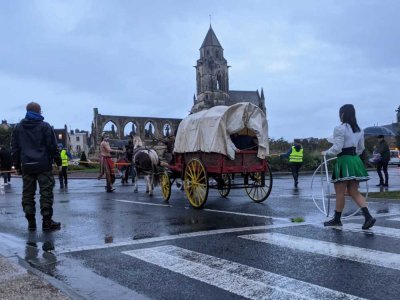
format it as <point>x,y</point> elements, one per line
<point>257,283</point>
<point>233,277</point>
<point>377,230</point>
<point>361,255</point>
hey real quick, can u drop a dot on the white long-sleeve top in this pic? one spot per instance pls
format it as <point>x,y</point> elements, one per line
<point>344,137</point>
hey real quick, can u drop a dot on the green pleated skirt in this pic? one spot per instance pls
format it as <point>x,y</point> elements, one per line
<point>349,167</point>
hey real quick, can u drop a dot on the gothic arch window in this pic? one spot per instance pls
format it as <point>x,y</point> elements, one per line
<point>149,130</point>
<point>167,130</point>
<point>217,53</point>
<point>130,129</point>
<point>219,82</point>
<point>198,82</point>
<point>208,52</point>
<point>111,129</point>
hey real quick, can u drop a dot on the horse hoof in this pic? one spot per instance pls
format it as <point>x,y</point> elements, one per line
<point>151,194</point>
<point>147,192</point>
<point>135,191</point>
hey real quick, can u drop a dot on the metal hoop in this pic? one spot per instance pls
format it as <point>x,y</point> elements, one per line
<point>326,208</point>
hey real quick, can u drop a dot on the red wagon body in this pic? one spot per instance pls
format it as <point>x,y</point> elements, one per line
<point>196,168</point>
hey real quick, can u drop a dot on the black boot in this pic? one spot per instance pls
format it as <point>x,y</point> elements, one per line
<point>50,225</point>
<point>31,222</point>
<point>369,220</point>
<point>335,221</point>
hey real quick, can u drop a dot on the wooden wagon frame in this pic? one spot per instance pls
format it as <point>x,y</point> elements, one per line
<point>196,168</point>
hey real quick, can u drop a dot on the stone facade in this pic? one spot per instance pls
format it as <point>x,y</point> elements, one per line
<point>78,142</point>
<point>148,128</point>
<point>212,79</point>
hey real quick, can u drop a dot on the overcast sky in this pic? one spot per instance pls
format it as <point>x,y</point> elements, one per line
<point>136,58</point>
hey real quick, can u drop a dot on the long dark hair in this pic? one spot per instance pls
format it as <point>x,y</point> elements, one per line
<point>347,114</point>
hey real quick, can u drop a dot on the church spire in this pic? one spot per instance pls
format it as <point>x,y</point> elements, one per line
<point>210,39</point>
<point>211,74</point>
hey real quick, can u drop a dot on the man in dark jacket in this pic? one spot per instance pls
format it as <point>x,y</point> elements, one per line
<point>6,164</point>
<point>34,148</point>
<point>384,151</point>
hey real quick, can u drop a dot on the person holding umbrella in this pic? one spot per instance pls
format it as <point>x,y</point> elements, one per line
<point>383,150</point>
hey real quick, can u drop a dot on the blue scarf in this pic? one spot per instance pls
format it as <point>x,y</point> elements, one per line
<point>31,115</point>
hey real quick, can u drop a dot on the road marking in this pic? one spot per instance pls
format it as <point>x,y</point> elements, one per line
<point>244,214</point>
<point>178,236</point>
<point>207,209</point>
<point>233,277</point>
<point>143,203</point>
<point>361,255</point>
<point>376,230</point>
<point>394,219</point>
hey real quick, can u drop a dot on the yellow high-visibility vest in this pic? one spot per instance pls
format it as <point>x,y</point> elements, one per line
<point>64,158</point>
<point>296,156</point>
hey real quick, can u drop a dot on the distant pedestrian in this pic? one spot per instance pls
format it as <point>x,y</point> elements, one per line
<point>349,169</point>
<point>34,148</point>
<point>384,152</point>
<point>295,155</point>
<point>63,174</point>
<point>5,164</point>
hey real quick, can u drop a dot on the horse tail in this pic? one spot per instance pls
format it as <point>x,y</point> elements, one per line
<point>154,165</point>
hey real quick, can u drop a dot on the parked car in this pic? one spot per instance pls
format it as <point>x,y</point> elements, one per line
<point>394,157</point>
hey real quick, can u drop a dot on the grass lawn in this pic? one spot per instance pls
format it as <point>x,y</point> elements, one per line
<point>385,195</point>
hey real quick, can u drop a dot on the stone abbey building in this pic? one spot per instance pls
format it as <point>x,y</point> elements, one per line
<point>212,78</point>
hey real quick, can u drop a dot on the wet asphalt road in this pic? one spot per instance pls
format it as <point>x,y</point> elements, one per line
<point>126,245</point>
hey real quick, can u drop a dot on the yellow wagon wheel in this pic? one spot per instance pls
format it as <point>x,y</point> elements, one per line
<point>196,183</point>
<point>259,185</point>
<point>165,183</point>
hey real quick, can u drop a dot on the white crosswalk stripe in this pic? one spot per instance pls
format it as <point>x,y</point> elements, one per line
<point>362,255</point>
<point>394,219</point>
<point>377,230</point>
<point>233,277</point>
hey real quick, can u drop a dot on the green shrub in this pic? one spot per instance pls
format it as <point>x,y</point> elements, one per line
<point>311,160</point>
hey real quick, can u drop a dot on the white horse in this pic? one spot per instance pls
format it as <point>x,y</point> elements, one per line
<point>145,161</point>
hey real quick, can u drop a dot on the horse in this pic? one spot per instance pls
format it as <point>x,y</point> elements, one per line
<point>145,161</point>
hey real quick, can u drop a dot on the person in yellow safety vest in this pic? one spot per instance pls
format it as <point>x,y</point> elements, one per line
<point>62,175</point>
<point>295,155</point>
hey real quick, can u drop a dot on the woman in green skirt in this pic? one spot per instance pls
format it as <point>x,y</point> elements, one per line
<point>349,170</point>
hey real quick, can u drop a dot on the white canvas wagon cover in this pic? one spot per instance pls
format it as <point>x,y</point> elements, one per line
<point>209,130</point>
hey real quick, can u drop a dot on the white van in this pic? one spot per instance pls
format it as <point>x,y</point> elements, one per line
<point>394,157</point>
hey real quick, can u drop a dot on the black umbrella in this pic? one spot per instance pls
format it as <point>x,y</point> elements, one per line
<point>378,130</point>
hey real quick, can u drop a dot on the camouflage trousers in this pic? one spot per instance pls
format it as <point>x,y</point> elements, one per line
<point>46,184</point>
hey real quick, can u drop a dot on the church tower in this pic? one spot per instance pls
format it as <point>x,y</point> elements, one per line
<point>211,75</point>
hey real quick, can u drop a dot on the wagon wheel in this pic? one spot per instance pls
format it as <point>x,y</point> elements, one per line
<point>255,189</point>
<point>225,188</point>
<point>196,183</point>
<point>165,183</point>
